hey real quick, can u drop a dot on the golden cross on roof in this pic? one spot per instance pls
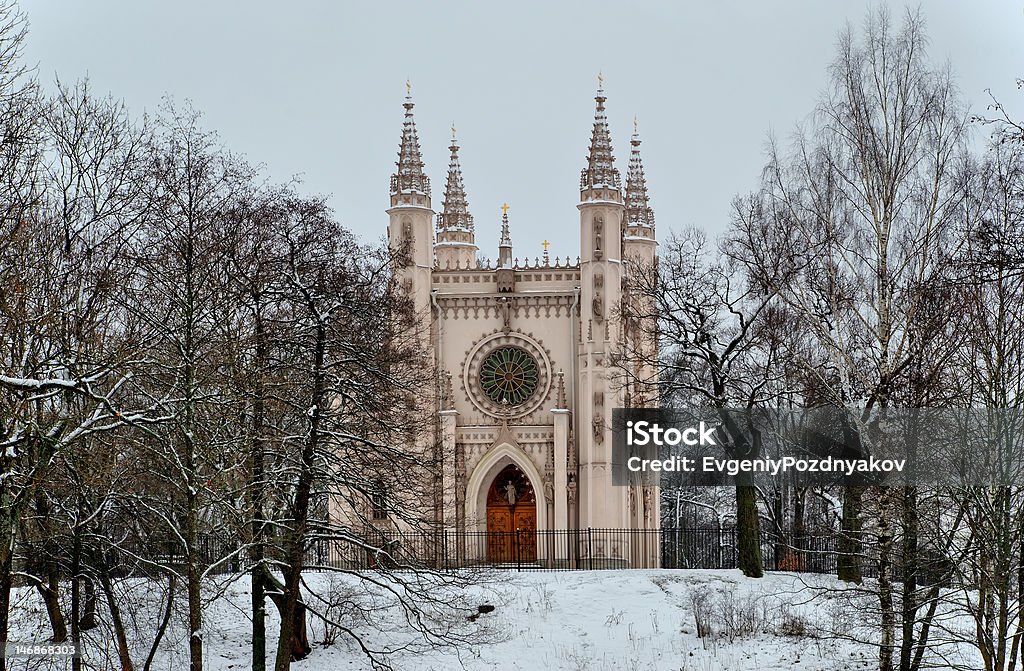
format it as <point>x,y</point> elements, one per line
<point>545,243</point>
<point>504,209</point>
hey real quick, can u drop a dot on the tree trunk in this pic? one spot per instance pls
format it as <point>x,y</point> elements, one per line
<point>799,527</point>
<point>748,529</point>
<point>121,638</point>
<point>76,592</point>
<point>886,643</point>
<point>6,584</point>
<point>168,609</point>
<point>49,592</point>
<point>911,568</point>
<point>194,588</point>
<point>848,562</point>
<point>297,642</point>
<point>88,620</point>
<point>259,621</point>
<point>292,643</point>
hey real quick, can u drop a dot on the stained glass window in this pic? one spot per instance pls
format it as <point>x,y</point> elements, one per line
<point>509,376</point>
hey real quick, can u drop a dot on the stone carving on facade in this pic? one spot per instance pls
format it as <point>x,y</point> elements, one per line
<point>447,393</point>
<point>598,302</point>
<point>570,488</point>
<point>560,400</point>
<point>632,501</point>
<point>408,243</point>
<point>549,490</point>
<point>598,234</point>
<point>460,463</point>
<point>648,504</point>
<point>598,421</point>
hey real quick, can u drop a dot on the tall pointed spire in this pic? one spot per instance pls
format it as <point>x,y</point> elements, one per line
<point>600,172</point>
<point>456,241</point>
<point>455,216</point>
<point>505,244</point>
<point>410,177</point>
<point>639,217</point>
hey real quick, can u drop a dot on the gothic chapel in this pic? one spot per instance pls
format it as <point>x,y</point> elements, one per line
<point>523,355</point>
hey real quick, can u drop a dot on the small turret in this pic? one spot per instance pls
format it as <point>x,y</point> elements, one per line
<point>505,244</point>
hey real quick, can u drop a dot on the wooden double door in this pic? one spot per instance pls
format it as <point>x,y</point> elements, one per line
<point>511,518</point>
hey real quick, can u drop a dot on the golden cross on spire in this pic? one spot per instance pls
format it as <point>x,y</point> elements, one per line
<point>600,80</point>
<point>545,243</point>
<point>504,209</point>
<point>408,89</point>
<point>453,130</point>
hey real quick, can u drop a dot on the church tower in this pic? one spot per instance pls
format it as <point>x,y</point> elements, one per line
<point>601,212</point>
<point>410,229</point>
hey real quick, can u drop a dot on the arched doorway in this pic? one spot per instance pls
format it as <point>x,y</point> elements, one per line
<point>511,517</point>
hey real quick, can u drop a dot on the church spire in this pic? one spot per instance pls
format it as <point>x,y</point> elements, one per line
<point>600,172</point>
<point>505,245</point>
<point>639,217</point>
<point>410,177</point>
<point>455,216</point>
<point>456,242</point>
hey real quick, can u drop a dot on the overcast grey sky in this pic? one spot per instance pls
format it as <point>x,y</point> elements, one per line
<point>315,89</point>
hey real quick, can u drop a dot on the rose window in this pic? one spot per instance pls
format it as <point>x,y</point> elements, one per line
<point>509,376</point>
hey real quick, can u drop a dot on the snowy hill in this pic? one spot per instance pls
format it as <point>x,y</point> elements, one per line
<point>576,621</point>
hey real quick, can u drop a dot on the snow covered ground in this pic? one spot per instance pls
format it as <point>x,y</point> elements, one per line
<point>580,620</point>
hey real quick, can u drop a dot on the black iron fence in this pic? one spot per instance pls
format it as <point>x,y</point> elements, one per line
<point>575,549</point>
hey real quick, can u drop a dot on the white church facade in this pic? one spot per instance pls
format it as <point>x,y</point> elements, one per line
<point>526,357</point>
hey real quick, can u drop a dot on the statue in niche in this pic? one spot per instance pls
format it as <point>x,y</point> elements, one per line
<point>549,491</point>
<point>506,314</point>
<point>598,232</point>
<point>570,488</point>
<point>648,504</point>
<point>598,303</point>
<point>408,241</point>
<point>510,493</point>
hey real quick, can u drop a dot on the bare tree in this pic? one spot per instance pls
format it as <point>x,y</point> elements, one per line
<point>179,295</point>
<point>718,349</point>
<point>868,196</point>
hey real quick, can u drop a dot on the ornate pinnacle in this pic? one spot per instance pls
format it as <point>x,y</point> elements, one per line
<point>639,217</point>
<point>455,215</point>
<point>505,244</point>
<point>560,401</point>
<point>600,171</point>
<point>449,394</point>
<point>409,178</point>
